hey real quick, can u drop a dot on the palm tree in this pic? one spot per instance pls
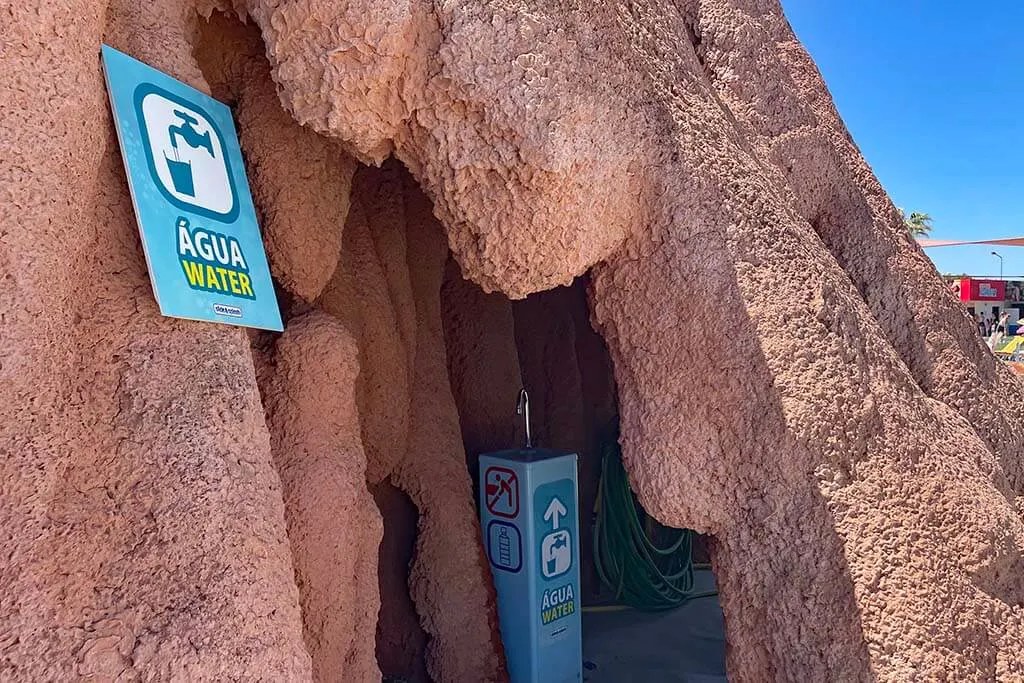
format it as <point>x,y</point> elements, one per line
<point>918,224</point>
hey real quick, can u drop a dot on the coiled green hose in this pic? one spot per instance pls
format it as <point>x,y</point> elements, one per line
<point>647,565</point>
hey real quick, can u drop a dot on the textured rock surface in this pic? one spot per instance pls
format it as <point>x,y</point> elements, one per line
<point>303,209</point>
<point>793,376</point>
<point>838,195</point>
<point>479,101</point>
<point>386,305</point>
<point>333,524</point>
<point>764,397</point>
<point>387,291</point>
<point>483,364</point>
<point>142,525</point>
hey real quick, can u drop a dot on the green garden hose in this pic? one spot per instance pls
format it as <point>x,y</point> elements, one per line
<point>647,565</point>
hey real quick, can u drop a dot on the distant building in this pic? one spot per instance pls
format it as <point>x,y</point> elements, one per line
<point>990,296</point>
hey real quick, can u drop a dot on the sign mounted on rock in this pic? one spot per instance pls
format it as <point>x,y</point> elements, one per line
<point>188,185</point>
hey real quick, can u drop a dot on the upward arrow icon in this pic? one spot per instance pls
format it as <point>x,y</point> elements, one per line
<point>554,511</point>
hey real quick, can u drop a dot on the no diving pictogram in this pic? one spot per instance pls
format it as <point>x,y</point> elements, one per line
<point>502,492</point>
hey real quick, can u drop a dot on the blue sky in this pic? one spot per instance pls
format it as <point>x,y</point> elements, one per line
<point>933,93</point>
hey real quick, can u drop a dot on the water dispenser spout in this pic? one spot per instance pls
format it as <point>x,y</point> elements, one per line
<point>523,408</point>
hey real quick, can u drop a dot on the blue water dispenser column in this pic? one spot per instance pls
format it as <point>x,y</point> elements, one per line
<point>528,509</point>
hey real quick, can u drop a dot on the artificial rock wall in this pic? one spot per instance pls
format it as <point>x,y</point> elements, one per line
<point>792,375</point>
<point>357,392</point>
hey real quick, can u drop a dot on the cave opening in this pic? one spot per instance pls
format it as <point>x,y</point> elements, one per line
<point>400,291</point>
<point>547,344</point>
<point>436,365</point>
<point>543,343</point>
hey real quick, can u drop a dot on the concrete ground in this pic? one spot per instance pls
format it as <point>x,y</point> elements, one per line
<point>685,645</point>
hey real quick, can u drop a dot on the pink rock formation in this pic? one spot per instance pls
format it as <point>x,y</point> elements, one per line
<point>302,231</point>
<point>401,642</point>
<point>392,310</point>
<point>333,525</point>
<point>483,364</point>
<point>143,528</point>
<point>387,288</point>
<point>792,375</point>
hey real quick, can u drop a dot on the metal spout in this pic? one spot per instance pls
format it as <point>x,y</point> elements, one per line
<point>523,408</point>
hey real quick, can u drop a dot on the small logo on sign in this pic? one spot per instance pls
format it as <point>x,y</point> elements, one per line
<point>230,311</point>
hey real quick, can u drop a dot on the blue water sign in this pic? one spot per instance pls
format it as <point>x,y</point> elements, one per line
<point>531,534</point>
<point>191,198</point>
